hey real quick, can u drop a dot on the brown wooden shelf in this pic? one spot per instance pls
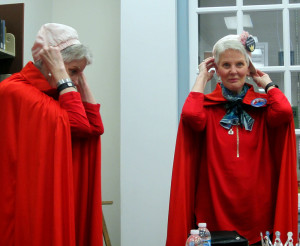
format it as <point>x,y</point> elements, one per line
<point>6,54</point>
<point>9,52</point>
<point>11,59</point>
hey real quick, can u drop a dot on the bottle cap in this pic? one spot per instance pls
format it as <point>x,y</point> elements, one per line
<point>194,232</point>
<point>202,224</point>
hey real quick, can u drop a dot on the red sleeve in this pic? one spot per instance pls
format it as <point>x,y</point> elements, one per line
<point>279,109</point>
<point>193,111</point>
<point>94,117</point>
<point>78,117</point>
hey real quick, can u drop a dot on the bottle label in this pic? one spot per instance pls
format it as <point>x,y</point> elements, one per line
<point>206,243</point>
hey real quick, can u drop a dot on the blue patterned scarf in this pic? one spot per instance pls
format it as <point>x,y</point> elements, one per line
<point>235,114</point>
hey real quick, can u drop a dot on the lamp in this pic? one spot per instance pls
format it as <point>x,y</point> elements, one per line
<point>231,22</point>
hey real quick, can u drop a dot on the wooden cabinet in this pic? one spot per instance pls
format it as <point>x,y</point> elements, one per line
<point>11,59</point>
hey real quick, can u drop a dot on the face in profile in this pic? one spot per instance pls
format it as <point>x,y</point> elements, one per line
<point>75,69</point>
<point>232,69</point>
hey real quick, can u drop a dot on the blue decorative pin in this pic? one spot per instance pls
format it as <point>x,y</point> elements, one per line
<point>258,102</point>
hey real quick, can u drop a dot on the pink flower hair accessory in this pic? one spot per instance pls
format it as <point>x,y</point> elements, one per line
<point>248,41</point>
<point>243,37</point>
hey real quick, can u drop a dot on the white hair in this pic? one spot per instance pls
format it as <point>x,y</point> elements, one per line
<point>229,42</point>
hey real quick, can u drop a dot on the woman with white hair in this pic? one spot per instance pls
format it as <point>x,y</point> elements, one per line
<point>50,156</point>
<point>235,158</point>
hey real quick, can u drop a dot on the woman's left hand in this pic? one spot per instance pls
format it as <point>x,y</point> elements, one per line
<point>261,79</point>
<point>81,81</point>
<point>84,90</point>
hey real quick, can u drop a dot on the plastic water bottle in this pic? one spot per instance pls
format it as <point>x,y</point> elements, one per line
<point>204,234</point>
<point>277,241</point>
<point>194,239</point>
<point>289,241</point>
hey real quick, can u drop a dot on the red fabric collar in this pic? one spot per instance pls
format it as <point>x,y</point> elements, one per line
<point>216,97</point>
<point>34,77</point>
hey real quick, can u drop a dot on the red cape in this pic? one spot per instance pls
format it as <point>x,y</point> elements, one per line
<point>184,178</point>
<point>50,183</point>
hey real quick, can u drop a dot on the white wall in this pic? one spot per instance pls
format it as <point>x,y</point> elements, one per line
<point>98,25</point>
<point>148,118</point>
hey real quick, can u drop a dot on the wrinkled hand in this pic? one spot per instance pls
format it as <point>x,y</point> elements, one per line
<point>81,83</point>
<point>205,74</point>
<point>84,89</point>
<point>261,78</point>
<point>205,68</point>
<point>52,59</point>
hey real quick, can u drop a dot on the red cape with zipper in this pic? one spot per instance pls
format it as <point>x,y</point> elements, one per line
<point>50,183</point>
<point>182,214</point>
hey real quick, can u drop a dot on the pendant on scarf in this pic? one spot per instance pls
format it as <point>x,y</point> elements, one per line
<point>230,132</point>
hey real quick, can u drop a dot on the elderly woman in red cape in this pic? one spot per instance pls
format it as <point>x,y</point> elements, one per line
<point>50,147</point>
<point>235,157</point>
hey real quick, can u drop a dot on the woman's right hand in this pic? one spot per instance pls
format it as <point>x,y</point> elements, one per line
<point>52,59</point>
<point>205,74</point>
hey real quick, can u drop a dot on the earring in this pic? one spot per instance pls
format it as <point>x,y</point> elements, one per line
<point>219,79</point>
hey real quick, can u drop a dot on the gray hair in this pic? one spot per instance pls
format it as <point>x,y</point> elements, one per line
<point>76,52</point>
<point>229,43</point>
<point>71,53</point>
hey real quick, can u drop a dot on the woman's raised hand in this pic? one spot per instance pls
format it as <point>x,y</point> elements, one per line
<point>205,74</point>
<point>206,66</point>
<point>52,59</point>
<point>261,78</point>
<point>84,90</point>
